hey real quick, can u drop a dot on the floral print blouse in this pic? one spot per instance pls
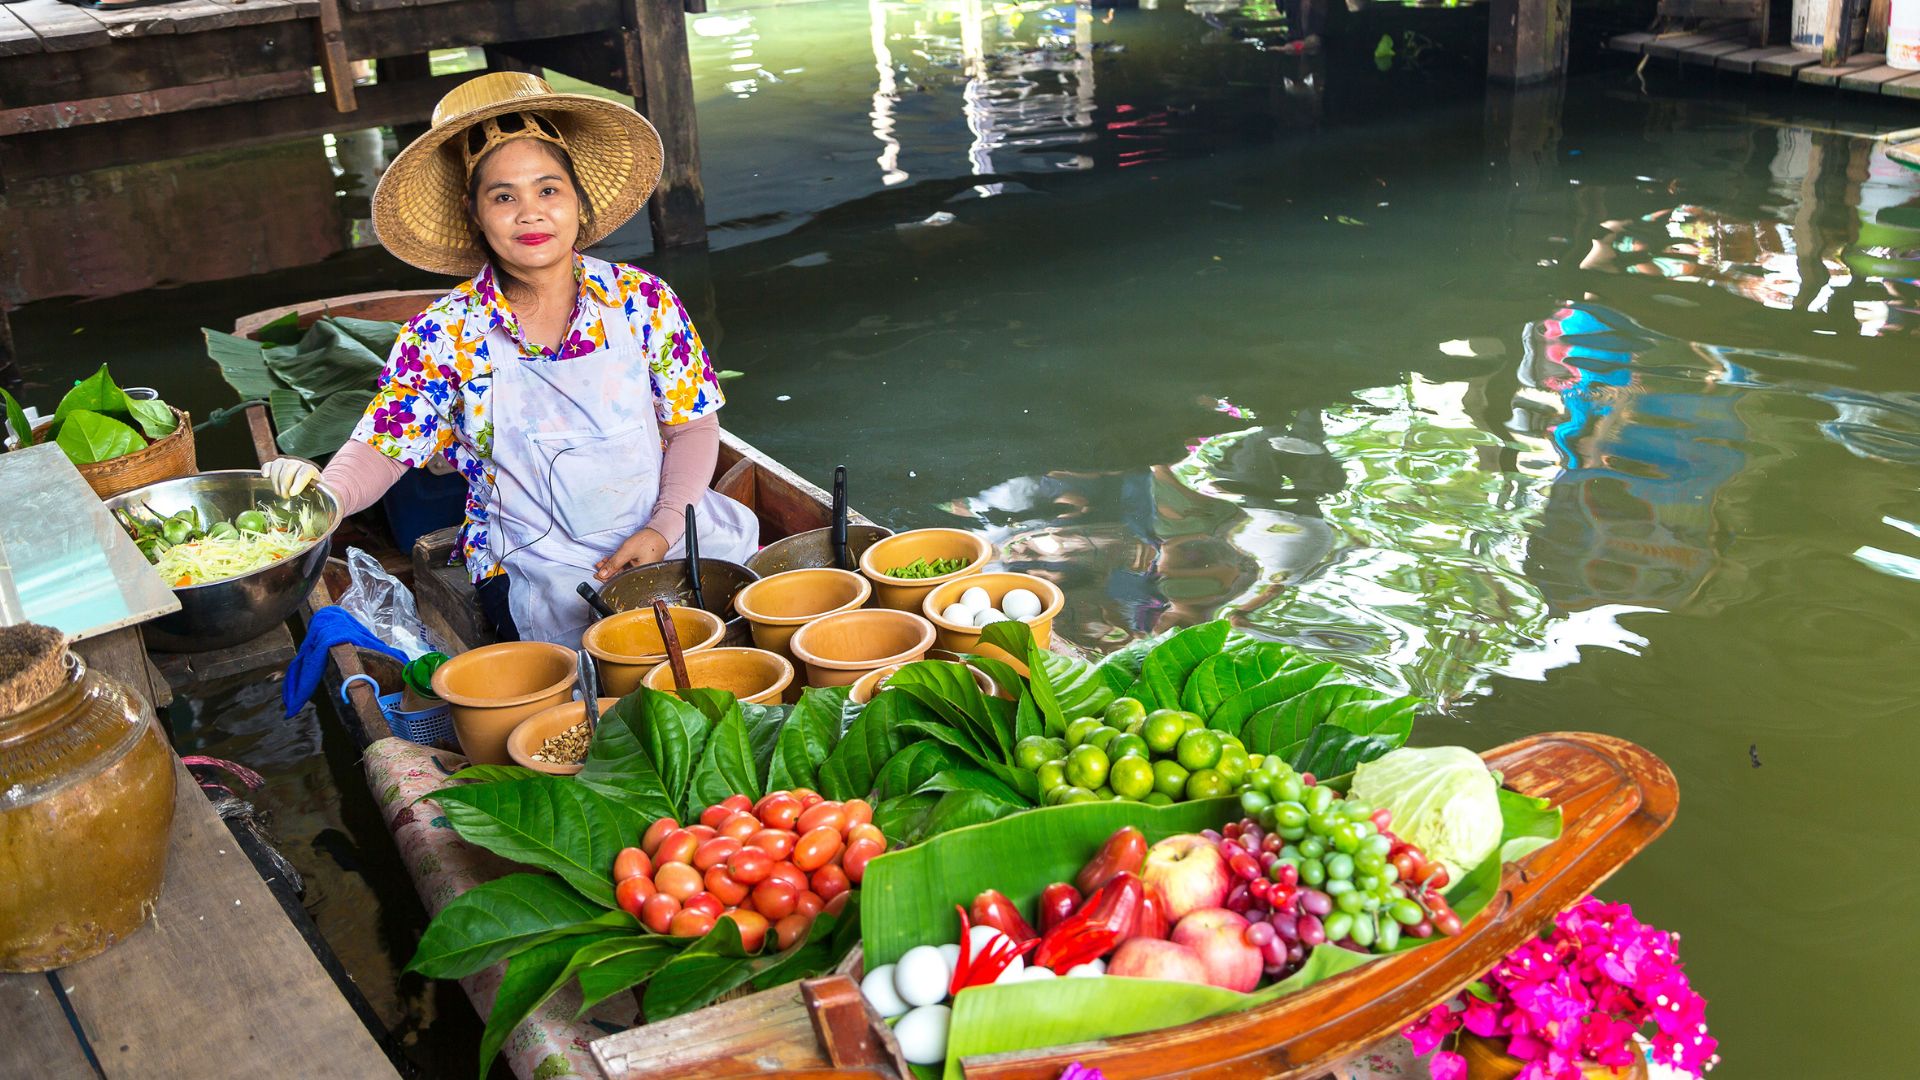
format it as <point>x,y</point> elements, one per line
<point>435,394</point>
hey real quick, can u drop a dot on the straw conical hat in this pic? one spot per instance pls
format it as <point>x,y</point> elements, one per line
<point>419,209</point>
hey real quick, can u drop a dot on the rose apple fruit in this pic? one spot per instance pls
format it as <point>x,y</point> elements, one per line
<point>1151,958</point>
<point>1218,937</point>
<point>1189,872</point>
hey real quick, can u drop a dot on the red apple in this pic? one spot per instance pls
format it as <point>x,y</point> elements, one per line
<point>1190,873</point>
<point>1151,958</point>
<point>1218,937</point>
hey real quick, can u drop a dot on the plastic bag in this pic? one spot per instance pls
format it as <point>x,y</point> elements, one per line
<point>385,606</point>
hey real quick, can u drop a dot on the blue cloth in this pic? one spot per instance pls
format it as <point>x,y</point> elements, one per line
<point>331,626</point>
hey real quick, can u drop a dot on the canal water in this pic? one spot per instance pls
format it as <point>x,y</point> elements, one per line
<point>1591,408</point>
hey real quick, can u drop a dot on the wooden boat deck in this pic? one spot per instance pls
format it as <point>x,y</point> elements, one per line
<point>1728,49</point>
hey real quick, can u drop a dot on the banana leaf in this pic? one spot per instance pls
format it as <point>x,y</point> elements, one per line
<point>908,899</point>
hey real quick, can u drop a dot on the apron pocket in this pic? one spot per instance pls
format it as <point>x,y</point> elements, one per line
<point>597,482</point>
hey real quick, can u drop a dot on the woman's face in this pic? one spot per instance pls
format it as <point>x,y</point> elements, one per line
<point>526,206</point>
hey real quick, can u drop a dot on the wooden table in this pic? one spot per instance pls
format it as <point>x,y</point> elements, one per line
<point>218,983</point>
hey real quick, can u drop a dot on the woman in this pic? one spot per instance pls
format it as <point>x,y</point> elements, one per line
<point>573,394</point>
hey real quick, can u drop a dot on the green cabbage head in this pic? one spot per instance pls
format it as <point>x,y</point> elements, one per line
<point>1444,802</point>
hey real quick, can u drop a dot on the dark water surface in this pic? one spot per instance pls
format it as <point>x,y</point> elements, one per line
<point>1593,411</point>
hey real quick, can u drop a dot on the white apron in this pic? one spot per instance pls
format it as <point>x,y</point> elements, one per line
<point>576,459</point>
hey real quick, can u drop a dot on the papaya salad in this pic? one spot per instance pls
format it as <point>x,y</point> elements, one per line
<point>187,549</point>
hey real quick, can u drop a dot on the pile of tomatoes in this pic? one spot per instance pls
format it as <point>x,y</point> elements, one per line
<point>770,866</point>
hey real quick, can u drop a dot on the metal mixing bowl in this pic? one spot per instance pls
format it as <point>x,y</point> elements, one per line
<point>814,548</point>
<point>639,586</point>
<point>219,614</point>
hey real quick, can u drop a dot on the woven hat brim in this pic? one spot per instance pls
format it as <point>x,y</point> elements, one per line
<point>419,207</point>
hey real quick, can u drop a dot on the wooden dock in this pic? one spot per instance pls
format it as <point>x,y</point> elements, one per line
<point>1728,49</point>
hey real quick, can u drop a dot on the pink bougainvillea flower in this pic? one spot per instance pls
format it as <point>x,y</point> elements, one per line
<point>1447,1065</point>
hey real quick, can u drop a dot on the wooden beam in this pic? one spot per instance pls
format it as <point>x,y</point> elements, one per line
<point>599,59</point>
<point>16,37</point>
<point>1841,15</point>
<point>61,27</point>
<point>656,49</point>
<point>168,99</point>
<point>334,62</point>
<point>1527,40</point>
<point>1879,13</point>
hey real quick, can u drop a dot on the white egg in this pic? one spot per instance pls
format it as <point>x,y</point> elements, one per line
<point>1036,973</point>
<point>921,976</point>
<point>923,1034</point>
<point>1020,604</point>
<point>988,617</point>
<point>959,613</point>
<point>951,954</point>
<point>982,938</point>
<point>1092,969</point>
<point>975,599</point>
<point>879,991</point>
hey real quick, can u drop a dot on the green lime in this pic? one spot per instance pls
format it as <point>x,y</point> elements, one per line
<point>1103,793</point>
<point>1077,795</point>
<point>1078,731</point>
<point>1124,711</point>
<point>1199,749</point>
<point>1136,727</point>
<point>1193,721</point>
<point>1127,746</point>
<point>1087,766</point>
<point>1158,798</point>
<point>1207,784</point>
<point>1234,766</point>
<point>1228,739</point>
<point>1032,752</point>
<point>1162,731</point>
<point>1132,777</point>
<point>1052,796</point>
<point>1059,747</point>
<point>1169,778</point>
<point>1052,773</point>
<point>1102,738</point>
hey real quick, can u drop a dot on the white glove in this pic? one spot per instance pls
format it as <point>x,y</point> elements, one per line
<point>289,475</point>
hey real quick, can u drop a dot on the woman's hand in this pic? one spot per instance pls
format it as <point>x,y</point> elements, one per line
<point>289,475</point>
<point>643,547</point>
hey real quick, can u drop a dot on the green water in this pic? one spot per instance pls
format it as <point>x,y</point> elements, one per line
<point>1584,411</point>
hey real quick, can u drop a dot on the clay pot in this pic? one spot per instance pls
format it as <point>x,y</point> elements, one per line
<point>838,649</point>
<point>866,686</point>
<point>906,594</point>
<point>627,645</point>
<point>965,638</point>
<point>777,606</point>
<point>755,676</point>
<point>86,811</point>
<point>1487,1059</point>
<point>528,734</point>
<point>494,687</point>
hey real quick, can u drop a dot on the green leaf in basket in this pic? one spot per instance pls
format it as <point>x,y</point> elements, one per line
<point>904,818</point>
<point>1334,751</point>
<point>1028,719</point>
<point>726,764</point>
<point>550,822</point>
<point>1222,676</point>
<point>907,895</point>
<point>17,421</point>
<point>500,918</point>
<point>702,972</point>
<point>1121,667</point>
<point>806,740</point>
<point>243,364</point>
<point>532,977</point>
<point>90,438</point>
<point>1016,639</point>
<point>1165,672</point>
<point>607,967</point>
<point>96,393</point>
<point>156,418</point>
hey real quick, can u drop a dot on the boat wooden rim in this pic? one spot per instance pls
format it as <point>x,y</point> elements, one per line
<point>1615,798</point>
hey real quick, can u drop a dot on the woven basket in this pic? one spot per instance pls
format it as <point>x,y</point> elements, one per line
<point>166,459</point>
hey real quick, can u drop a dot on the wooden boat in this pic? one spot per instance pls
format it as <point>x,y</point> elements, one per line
<point>1615,798</point>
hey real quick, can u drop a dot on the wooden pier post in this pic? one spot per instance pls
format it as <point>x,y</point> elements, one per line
<point>660,77</point>
<point>1527,40</point>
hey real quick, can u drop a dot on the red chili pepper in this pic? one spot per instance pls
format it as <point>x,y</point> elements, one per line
<point>1102,923</point>
<point>991,908</point>
<point>971,970</point>
<point>1153,915</point>
<point>1058,902</point>
<point>1124,851</point>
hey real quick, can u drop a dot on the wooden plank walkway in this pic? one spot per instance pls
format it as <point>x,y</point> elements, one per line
<point>217,984</point>
<point>1727,49</point>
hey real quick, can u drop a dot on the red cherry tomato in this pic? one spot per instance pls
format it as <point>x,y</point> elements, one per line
<point>705,902</point>
<point>830,815</point>
<point>779,811</point>
<point>808,904</point>
<point>678,880</point>
<point>775,898</point>
<point>857,855</point>
<point>656,832</point>
<point>737,804</point>
<point>657,911</point>
<point>749,866</point>
<point>867,832</point>
<point>740,826</point>
<point>691,924</point>
<point>631,893</point>
<point>775,842</point>
<point>703,833</point>
<point>787,872</point>
<point>829,882</point>
<point>729,891</point>
<point>816,849</point>
<point>677,847</point>
<point>714,852</point>
<point>859,812</point>
<point>713,815</point>
<point>753,928</point>
<point>789,930</point>
<point>631,863</point>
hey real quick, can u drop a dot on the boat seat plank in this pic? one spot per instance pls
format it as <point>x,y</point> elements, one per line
<point>219,941</point>
<point>1908,87</point>
<point>16,37</point>
<point>61,27</point>
<point>1745,60</point>
<point>1632,43</point>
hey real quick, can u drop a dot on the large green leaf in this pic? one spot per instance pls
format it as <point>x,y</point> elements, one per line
<point>703,971</point>
<point>726,765</point>
<point>156,418</point>
<point>498,918</point>
<point>607,967</point>
<point>619,768</point>
<point>1121,668</point>
<point>903,818</point>
<point>89,438</point>
<point>326,361</point>
<point>914,765</point>
<point>1222,676</point>
<point>243,364</point>
<point>1063,688</point>
<point>325,428</point>
<point>374,335</point>
<point>671,733</point>
<point>1283,728</point>
<point>1164,674</point>
<point>1389,718</point>
<point>949,691</point>
<point>763,734</point>
<point>1334,751</point>
<point>550,822</point>
<point>532,977</point>
<point>907,896</point>
<point>875,738</point>
<point>1233,714</point>
<point>1020,780</point>
<point>805,741</point>
<point>493,772</point>
<point>95,393</point>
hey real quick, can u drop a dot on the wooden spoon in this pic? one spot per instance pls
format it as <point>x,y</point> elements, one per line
<point>671,639</point>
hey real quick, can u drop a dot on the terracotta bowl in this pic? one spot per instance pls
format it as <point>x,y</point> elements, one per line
<point>494,687</point>
<point>627,645</point>
<point>906,594</point>
<point>813,548</point>
<point>528,734</point>
<point>838,649</point>
<point>962,638</point>
<point>866,686</point>
<point>755,676</point>
<point>777,606</point>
